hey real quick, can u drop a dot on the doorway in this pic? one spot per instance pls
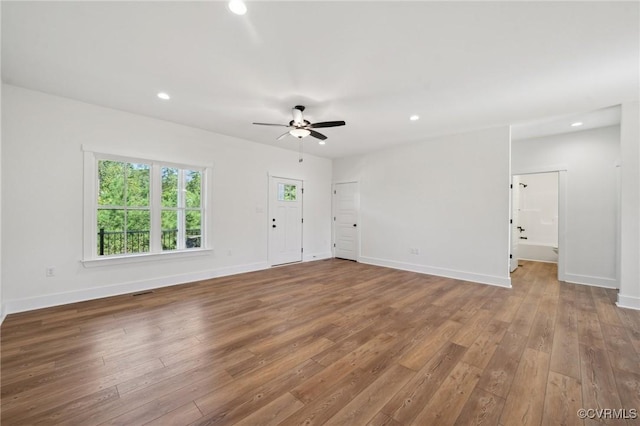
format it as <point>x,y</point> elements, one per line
<point>285,220</point>
<point>346,203</point>
<point>538,227</point>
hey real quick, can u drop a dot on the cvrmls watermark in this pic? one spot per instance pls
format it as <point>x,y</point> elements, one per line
<point>607,413</point>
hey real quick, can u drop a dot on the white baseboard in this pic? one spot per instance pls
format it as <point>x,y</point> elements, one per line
<point>629,302</point>
<point>441,272</point>
<point>590,280</point>
<point>39,302</point>
<point>317,256</point>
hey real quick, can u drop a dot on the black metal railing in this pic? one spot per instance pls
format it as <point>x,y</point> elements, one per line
<point>119,242</point>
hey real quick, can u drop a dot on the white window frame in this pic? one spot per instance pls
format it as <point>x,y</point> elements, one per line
<point>90,223</point>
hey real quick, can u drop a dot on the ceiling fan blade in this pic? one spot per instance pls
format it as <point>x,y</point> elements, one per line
<point>326,124</point>
<point>317,135</point>
<point>271,124</point>
<point>282,136</point>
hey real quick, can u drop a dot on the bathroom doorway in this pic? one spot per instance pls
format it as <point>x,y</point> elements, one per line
<point>536,218</point>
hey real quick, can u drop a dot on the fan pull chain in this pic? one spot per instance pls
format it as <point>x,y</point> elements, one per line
<point>300,159</point>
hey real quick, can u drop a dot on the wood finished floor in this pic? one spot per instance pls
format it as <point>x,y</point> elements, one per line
<point>327,342</point>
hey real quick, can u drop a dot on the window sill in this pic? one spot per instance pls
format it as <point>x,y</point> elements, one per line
<point>145,257</point>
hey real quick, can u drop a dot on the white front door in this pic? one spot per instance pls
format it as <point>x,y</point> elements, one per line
<point>285,221</point>
<point>346,203</point>
<point>515,222</point>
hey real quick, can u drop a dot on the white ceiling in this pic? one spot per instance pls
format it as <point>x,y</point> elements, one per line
<point>460,66</point>
<point>565,123</point>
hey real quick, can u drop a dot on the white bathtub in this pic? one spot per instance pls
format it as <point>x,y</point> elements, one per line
<point>538,252</point>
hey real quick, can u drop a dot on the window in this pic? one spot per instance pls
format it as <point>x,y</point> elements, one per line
<point>181,208</point>
<point>123,213</point>
<point>286,192</point>
<point>142,207</point>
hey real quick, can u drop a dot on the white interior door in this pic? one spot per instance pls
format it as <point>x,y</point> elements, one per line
<point>285,220</point>
<point>346,203</point>
<point>515,222</point>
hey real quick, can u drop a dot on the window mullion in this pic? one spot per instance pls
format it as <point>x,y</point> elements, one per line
<point>155,191</point>
<point>126,215</point>
<point>181,215</point>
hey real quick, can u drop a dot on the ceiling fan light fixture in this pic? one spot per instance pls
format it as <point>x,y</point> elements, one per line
<point>322,142</point>
<point>299,133</point>
<point>238,7</point>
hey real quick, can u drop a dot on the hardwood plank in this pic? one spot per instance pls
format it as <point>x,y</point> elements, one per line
<point>365,405</point>
<point>154,400</point>
<point>482,408</point>
<point>605,307</point>
<point>358,358</point>
<point>412,398</point>
<point>485,345</point>
<point>229,406</point>
<point>382,419</point>
<point>530,380</point>
<point>562,401</point>
<point>59,414</point>
<point>274,412</point>
<point>598,383</point>
<point>183,415</point>
<point>499,373</point>
<point>417,356</point>
<point>543,327</point>
<point>326,405</point>
<point>589,330</point>
<point>447,403</point>
<point>507,311</point>
<point>523,319</point>
<point>467,335</point>
<point>36,399</point>
<point>630,318</point>
<point>565,351</point>
<point>629,390</point>
<point>622,355</point>
<point>213,401</point>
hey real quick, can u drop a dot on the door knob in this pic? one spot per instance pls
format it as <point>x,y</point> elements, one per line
<point>354,225</point>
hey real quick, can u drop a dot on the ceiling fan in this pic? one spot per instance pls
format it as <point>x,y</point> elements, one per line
<point>301,128</point>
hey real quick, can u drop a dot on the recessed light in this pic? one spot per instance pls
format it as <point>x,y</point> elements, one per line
<point>414,117</point>
<point>163,95</point>
<point>238,7</point>
<point>322,142</point>
<point>576,124</point>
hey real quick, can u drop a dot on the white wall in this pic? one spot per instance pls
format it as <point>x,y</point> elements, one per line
<point>42,194</point>
<point>590,158</point>
<point>2,310</point>
<point>447,197</point>
<point>629,295</point>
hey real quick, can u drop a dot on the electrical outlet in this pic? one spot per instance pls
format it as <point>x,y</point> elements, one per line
<point>50,271</point>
